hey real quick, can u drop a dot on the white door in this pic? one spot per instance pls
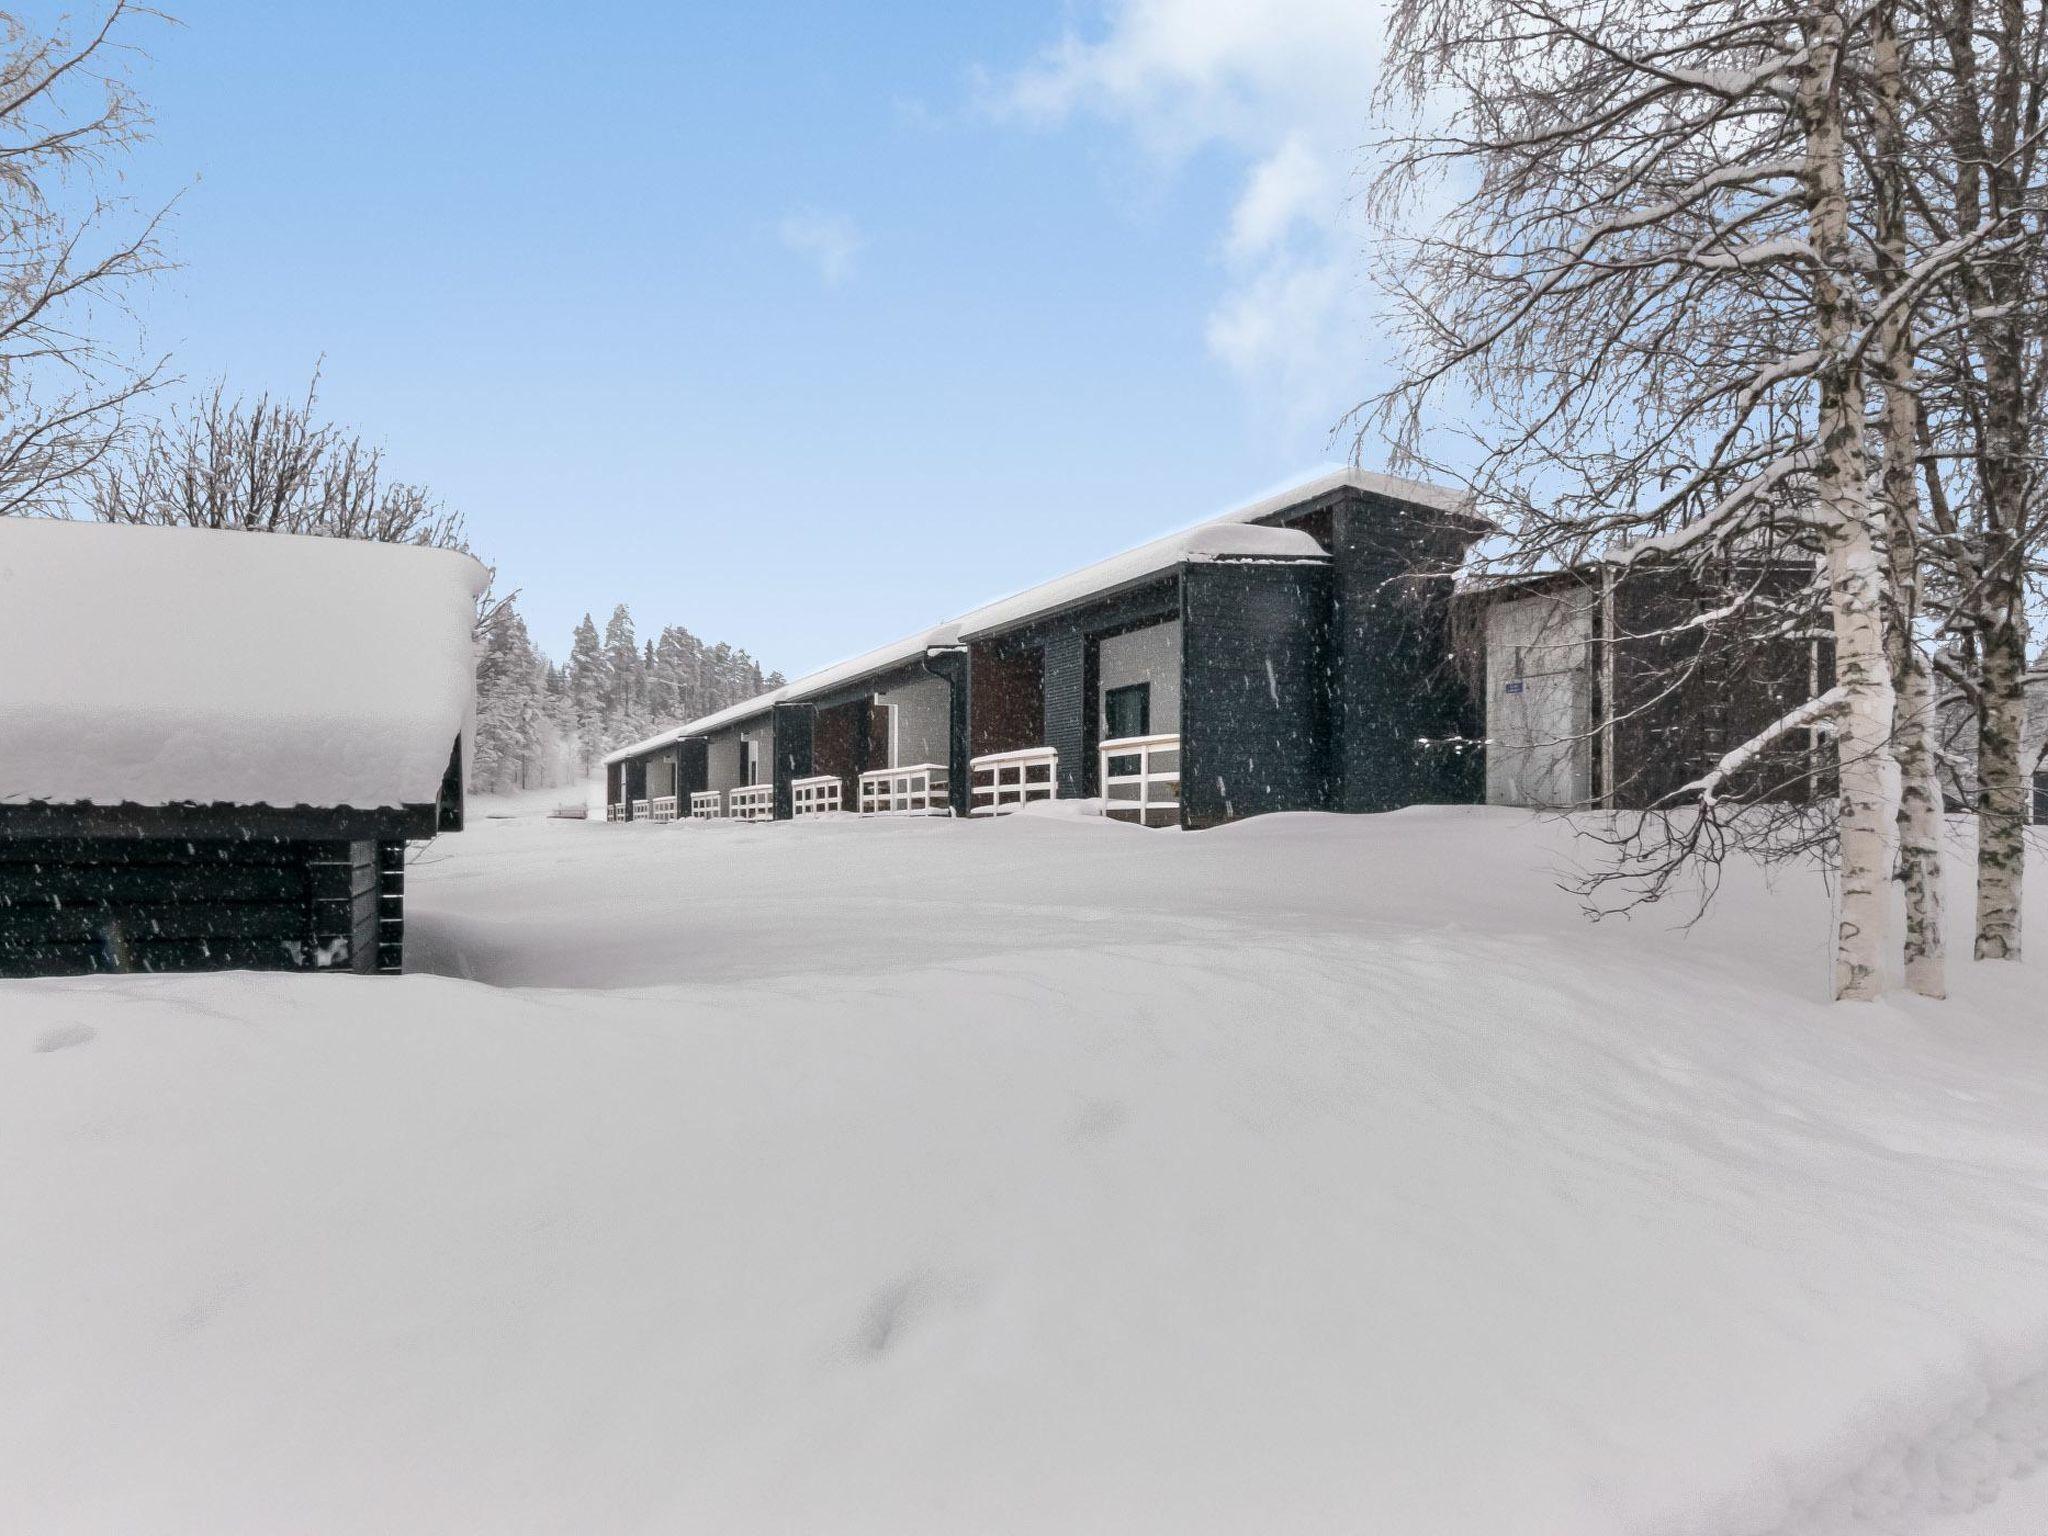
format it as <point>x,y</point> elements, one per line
<point>1539,700</point>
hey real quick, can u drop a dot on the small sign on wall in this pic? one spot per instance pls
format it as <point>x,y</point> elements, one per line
<point>1515,686</point>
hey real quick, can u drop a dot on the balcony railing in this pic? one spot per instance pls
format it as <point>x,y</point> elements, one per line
<point>1141,779</point>
<point>707,805</point>
<point>917,790</point>
<point>662,808</point>
<point>815,796</point>
<point>1002,781</point>
<point>639,810</point>
<point>752,802</point>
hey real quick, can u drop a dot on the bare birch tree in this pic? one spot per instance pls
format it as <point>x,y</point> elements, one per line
<point>264,466</point>
<point>1891,171</point>
<point>1652,286</point>
<point>68,249</point>
<point>1982,81</point>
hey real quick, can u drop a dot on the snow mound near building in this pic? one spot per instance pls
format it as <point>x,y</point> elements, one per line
<point>1315,1174</point>
<point>155,666</point>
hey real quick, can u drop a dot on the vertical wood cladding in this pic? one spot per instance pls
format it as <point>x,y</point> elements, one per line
<point>1008,693</point>
<point>790,740</point>
<point>73,906</point>
<point>693,771</point>
<point>952,667</point>
<point>1069,672</point>
<point>1254,690</point>
<point>1070,709</point>
<point>1687,691</point>
<point>1404,726</point>
<point>839,736</point>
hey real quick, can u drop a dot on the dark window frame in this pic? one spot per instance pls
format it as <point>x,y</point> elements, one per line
<point>1111,697</point>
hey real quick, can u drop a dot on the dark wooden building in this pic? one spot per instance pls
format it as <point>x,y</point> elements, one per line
<point>215,747</point>
<point>1285,656</point>
<point>1606,688</point>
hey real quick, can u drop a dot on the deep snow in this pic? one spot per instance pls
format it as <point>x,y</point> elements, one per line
<point>1313,1174</point>
<point>157,665</point>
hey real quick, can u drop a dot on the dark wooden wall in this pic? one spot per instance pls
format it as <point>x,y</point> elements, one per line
<point>1394,686</point>
<point>1069,674</point>
<point>1254,687</point>
<point>952,666</point>
<point>792,727</point>
<point>839,745</point>
<point>1067,645</point>
<point>693,770</point>
<point>71,906</point>
<point>1680,701</point>
<point>1009,699</point>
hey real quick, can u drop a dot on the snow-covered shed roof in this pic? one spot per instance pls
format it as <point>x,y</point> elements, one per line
<point>167,666</point>
<point>1232,535</point>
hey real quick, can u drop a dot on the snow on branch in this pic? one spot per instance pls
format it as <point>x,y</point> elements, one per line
<point>1814,712</point>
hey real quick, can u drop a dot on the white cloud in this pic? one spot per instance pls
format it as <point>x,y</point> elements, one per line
<point>831,240</point>
<point>1285,86</point>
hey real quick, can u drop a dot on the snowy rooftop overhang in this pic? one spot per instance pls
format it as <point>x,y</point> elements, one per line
<point>171,666</point>
<point>813,684</point>
<point>1225,539</point>
<point>1232,535</point>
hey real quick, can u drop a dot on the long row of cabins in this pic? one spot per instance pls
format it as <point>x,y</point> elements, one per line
<point>1292,655</point>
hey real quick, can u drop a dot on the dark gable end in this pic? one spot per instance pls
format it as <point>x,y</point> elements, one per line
<point>1401,723</point>
<point>1254,689</point>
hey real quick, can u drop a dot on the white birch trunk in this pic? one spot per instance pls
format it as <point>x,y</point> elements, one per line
<point>2002,793</point>
<point>1920,827</point>
<point>1856,576</point>
<point>1920,820</point>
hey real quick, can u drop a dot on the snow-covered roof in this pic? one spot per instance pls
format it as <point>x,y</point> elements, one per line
<point>163,666</point>
<point>1231,535</point>
<point>1225,539</point>
<point>1394,487</point>
<point>810,685</point>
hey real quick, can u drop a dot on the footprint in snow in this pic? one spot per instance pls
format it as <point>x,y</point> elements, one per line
<point>902,1305</point>
<point>63,1036</point>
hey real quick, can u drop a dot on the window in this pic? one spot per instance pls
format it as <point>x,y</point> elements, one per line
<point>1127,711</point>
<point>750,761</point>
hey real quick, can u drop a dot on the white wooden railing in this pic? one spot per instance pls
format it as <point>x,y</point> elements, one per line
<point>1001,781</point>
<point>639,810</point>
<point>662,808</point>
<point>614,811</point>
<point>1141,779</point>
<point>919,789</point>
<point>816,795</point>
<point>752,802</point>
<point>706,805</point>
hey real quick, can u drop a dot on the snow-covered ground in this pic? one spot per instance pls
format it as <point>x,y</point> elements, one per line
<point>1311,1175</point>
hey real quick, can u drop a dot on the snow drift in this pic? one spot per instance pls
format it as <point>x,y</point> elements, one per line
<point>1315,1174</point>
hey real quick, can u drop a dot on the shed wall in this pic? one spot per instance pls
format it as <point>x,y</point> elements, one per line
<point>73,906</point>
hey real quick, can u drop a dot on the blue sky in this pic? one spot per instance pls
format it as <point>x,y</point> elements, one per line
<point>801,325</point>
